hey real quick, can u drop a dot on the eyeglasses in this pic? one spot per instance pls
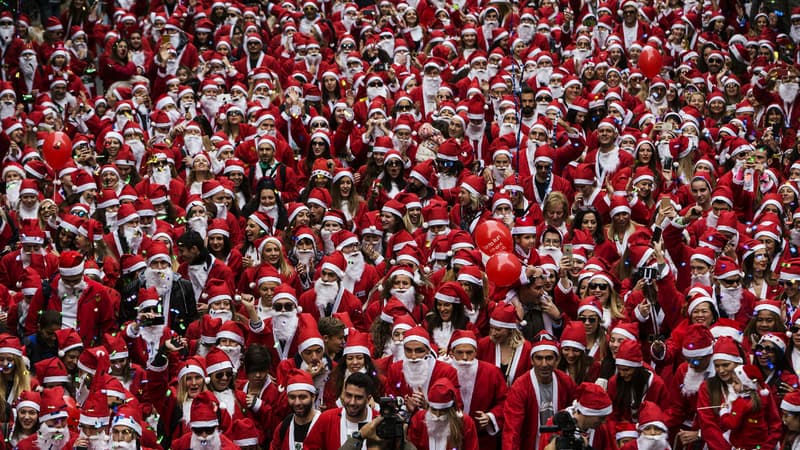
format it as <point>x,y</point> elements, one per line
<point>375,84</point>
<point>318,144</point>
<point>587,319</point>
<point>629,12</point>
<point>254,43</point>
<point>348,47</point>
<point>232,15</point>
<point>315,126</point>
<point>404,108</point>
<point>731,282</point>
<point>543,167</point>
<point>394,164</point>
<point>600,286</point>
<point>221,375</point>
<point>765,349</point>
<point>203,430</point>
<point>280,307</point>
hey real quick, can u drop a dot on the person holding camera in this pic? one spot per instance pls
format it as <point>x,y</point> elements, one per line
<point>335,426</point>
<point>584,422</point>
<point>443,425</point>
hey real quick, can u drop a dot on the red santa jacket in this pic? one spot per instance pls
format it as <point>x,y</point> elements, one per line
<point>418,432</point>
<point>752,429</point>
<point>94,315</point>
<point>489,401</point>
<point>11,269</point>
<point>345,302</point>
<point>327,433</point>
<point>520,363</point>
<point>521,430</point>
<point>185,442</point>
<point>396,381</point>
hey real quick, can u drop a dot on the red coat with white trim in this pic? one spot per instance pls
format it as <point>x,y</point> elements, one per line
<point>520,364</point>
<point>656,392</point>
<point>396,381</point>
<point>185,441</point>
<point>11,269</point>
<point>326,433</point>
<point>349,303</point>
<point>418,433</point>
<point>682,407</point>
<point>749,429</point>
<point>490,401</point>
<point>521,430</point>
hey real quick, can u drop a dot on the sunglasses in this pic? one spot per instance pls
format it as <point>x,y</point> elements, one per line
<point>794,330</point>
<point>348,47</point>
<point>404,108</point>
<point>204,430</point>
<point>394,164</point>
<point>280,307</point>
<point>731,282</point>
<point>601,286</point>
<point>221,375</point>
<point>588,319</point>
<point>765,349</point>
<point>786,282</point>
<point>544,99</point>
<point>375,84</point>
<point>318,144</point>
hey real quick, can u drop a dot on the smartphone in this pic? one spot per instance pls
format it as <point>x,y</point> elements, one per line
<point>665,203</point>
<point>656,235</point>
<point>668,163</point>
<point>568,250</point>
<point>164,39</point>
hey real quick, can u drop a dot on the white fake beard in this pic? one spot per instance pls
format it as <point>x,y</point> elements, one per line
<point>647,442</point>
<point>608,161</point>
<point>479,74</point>
<point>137,147</point>
<point>70,291</point>
<point>490,25</point>
<point>373,92</point>
<point>98,441</point>
<point>222,210</point>
<point>7,109</point>
<point>262,100</point>
<point>122,445</point>
<point>355,268</point>
<point>240,102</point>
<point>407,296</point>
<point>525,32</point>
<point>326,239</point>
<point>326,293</point>
<point>794,33</point>
<point>12,194</point>
<point>210,106</point>
<point>543,75</point>
<point>199,224</point>
<point>271,211</point>
<point>284,325</point>
<point>161,279</point>
<point>174,117</point>
<point>580,56</point>
<point>438,426</point>
<point>53,438</point>
<point>6,33</point>
<point>788,91</point>
<point>82,393</point>
<point>692,381</point>
<point>601,35</point>
<point>430,85</point>
<point>467,372</point>
<point>447,181</point>
<point>28,65</point>
<point>151,335</point>
<point>731,300</point>
<point>212,442</point>
<point>222,314</point>
<point>189,107</point>
<point>304,257</point>
<point>162,176</point>
<point>554,252</point>
<point>557,91</point>
<point>234,352</point>
<point>704,279</point>
<point>499,176</point>
<point>133,236</point>
<point>712,219</point>
<point>507,128</point>
<point>394,349</point>
<point>193,144</point>
<point>417,371</point>
<point>474,131</point>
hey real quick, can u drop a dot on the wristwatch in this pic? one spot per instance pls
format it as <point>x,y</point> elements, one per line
<point>357,436</point>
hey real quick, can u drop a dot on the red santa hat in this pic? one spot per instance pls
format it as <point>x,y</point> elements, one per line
<point>592,400</point>
<point>357,343</point>
<point>217,361</point>
<point>772,306</point>
<point>128,416</point>
<point>574,336</point>
<point>452,292</point>
<point>726,268</point>
<point>53,405</point>
<point>28,399</point>
<point>94,411</point>
<point>231,330</point>
<point>193,365</point>
<point>460,337</point>
<point>504,315</point>
<point>204,411</point>
<point>650,414</point>
<point>751,378</point>
<point>52,370</point>
<point>629,354</point>
<point>776,339</point>
<point>94,360</point>
<point>442,394</point>
<point>308,337</point>
<point>791,402</point>
<point>726,349</point>
<point>336,263</point>
<point>591,304</point>
<point>300,380</point>
<point>244,433</point>
<point>70,263</point>
<point>698,342</point>
<point>417,334</point>
<point>544,342</point>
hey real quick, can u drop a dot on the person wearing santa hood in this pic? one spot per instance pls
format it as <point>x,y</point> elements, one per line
<point>279,333</point>
<point>53,433</point>
<point>633,383</point>
<point>444,424</point>
<point>329,294</point>
<point>93,423</point>
<point>536,396</point>
<point>335,426</point>
<point>411,376</point>
<point>206,427</point>
<point>198,266</point>
<point>221,378</point>
<point>732,300</point>
<point>770,358</point>
<point>505,347</point>
<point>26,422</point>
<point>31,255</point>
<point>84,303</point>
<point>310,358</point>
<point>790,410</point>
<point>653,432</point>
<point>127,429</point>
<point>607,158</point>
<point>750,415</point>
<point>301,395</point>
<point>589,410</point>
<point>359,276</point>
<point>485,406</point>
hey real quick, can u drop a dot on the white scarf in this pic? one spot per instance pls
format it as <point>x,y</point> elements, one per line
<point>198,275</point>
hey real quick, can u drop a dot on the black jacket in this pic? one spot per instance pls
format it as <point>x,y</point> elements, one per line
<point>182,305</point>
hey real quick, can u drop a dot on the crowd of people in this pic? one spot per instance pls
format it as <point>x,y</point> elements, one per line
<point>265,232</point>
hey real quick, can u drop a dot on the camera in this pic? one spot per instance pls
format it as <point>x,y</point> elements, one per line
<point>154,321</point>
<point>27,98</point>
<point>646,273</point>
<point>391,427</point>
<point>380,67</point>
<point>569,439</point>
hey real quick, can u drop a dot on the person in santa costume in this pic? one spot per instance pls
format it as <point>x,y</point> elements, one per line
<point>301,395</point>
<point>335,426</point>
<point>198,266</point>
<point>206,427</point>
<point>310,358</point>
<point>536,396</point>
<point>652,430</point>
<point>443,425</point>
<point>221,378</point>
<point>126,429</point>
<point>790,410</point>
<point>590,409</point>
<point>750,415</point>
<point>505,347</point>
<point>84,304</point>
<point>30,254</point>
<point>485,406</point>
<point>411,377</point>
<point>53,434</point>
<point>330,294</point>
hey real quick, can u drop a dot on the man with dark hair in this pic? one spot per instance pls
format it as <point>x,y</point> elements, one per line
<point>199,266</point>
<point>327,432</point>
<point>44,344</point>
<point>333,334</point>
<point>301,395</point>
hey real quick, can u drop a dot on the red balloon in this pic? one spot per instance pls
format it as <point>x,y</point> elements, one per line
<point>650,61</point>
<point>57,150</point>
<point>492,237</point>
<point>503,269</point>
